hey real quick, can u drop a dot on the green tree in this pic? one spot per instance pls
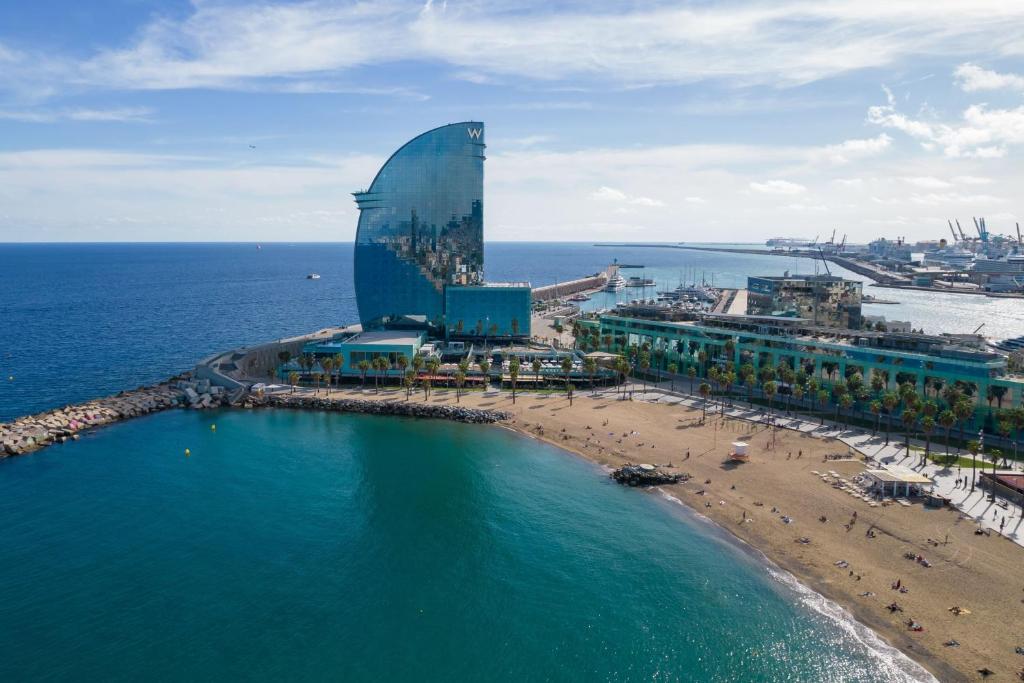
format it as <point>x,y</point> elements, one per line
<point>485,367</point>
<point>947,418</point>
<point>379,365</point>
<point>889,401</point>
<point>769,388</point>
<point>622,368</point>
<point>513,374</point>
<point>846,402</point>
<point>460,381</point>
<point>536,365</point>
<point>364,367</point>
<point>590,367</point>
<point>927,427</point>
<point>876,410</point>
<point>432,364</point>
<point>673,368</point>
<point>328,365</point>
<point>566,369</point>
<point>408,380</point>
<point>909,419</point>
<point>293,379</point>
<point>705,391</point>
<point>823,400</point>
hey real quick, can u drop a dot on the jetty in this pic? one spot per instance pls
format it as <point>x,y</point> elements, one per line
<point>31,433</point>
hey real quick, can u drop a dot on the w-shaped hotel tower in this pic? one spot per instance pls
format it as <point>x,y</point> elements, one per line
<point>419,251</point>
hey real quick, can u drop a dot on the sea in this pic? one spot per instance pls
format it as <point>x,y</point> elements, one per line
<point>298,546</point>
<point>306,546</point>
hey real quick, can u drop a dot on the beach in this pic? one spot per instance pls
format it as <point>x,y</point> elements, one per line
<point>975,573</point>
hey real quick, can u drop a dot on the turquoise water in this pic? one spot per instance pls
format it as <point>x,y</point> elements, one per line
<point>307,546</point>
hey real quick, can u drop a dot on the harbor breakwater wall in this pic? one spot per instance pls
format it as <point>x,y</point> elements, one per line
<point>31,433</point>
<point>564,289</point>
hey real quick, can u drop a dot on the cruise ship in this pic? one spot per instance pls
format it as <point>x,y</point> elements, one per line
<point>616,283</point>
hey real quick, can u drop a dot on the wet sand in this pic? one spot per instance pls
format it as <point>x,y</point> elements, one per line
<point>976,573</point>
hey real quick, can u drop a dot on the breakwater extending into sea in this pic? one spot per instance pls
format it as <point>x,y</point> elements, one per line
<point>31,433</point>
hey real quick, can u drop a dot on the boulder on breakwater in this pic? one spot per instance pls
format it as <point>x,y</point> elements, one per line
<point>645,475</point>
<point>392,408</point>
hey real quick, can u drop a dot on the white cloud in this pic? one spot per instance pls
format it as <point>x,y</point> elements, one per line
<point>778,187</point>
<point>695,200</point>
<point>927,182</point>
<point>787,42</point>
<point>611,194</point>
<point>983,133</point>
<point>971,78</point>
<point>846,151</point>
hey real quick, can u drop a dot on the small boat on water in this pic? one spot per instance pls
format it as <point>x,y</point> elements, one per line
<point>636,281</point>
<point>313,276</point>
<point>579,297</point>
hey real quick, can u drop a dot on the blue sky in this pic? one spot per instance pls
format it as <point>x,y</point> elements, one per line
<point>136,120</point>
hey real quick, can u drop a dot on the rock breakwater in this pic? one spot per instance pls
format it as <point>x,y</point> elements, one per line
<point>393,408</point>
<point>27,434</point>
<point>645,475</point>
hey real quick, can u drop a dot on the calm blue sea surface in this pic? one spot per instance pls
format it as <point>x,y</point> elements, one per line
<point>81,320</point>
<point>308,546</point>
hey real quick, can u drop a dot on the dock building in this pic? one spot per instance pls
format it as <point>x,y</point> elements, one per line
<point>826,300</point>
<point>829,355</point>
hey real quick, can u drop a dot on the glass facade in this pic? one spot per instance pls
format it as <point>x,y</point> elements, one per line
<point>421,226</point>
<point>488,311</point>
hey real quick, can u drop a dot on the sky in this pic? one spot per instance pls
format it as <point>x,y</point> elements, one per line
<point>136,120</point>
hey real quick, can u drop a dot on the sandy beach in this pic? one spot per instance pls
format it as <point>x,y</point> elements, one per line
<point>976,573</point>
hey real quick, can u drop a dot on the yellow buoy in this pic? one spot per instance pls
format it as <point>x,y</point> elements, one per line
<point>187,452</point>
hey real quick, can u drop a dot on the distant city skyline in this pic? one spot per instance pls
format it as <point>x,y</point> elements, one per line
<point>137,120</point>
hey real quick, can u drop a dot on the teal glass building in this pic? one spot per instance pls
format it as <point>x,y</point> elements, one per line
<point>493,310</point>
<point>421,227</point>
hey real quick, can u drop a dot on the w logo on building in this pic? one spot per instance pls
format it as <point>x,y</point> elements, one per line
<point>475,133</point>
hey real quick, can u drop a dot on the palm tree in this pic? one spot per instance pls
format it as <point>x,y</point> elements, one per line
<point>570,389</point>
<point>590,367</point>
<point>727,378</point>
<point>964,411</point>
<point>823,400</point>
<point>705,391</point>
<point>408,379</point>
<point>566,369</point>
<point>645,363</point>
<point>846,402</point>
<point>364,366</point>
<point>927,427</point>
<point>947,418</point>
<point>417,365</point>
<point>339,365</point>
<point>622,367</point>
<point>536,365</point>
<point>769,388</point>
<point>379,365</point>
<point>293,379</point>
<point>402,362</point>
<point>876,410</point>
<point>460,381</point>
<point>513,374</point>
<point>432,365</point>
<point>691,372</point>
<point>464,370</point>
<point>328,365</point>
<point>672,370</point>
<point>702,359</point>
<point>485,367</point>
<point>889,401</point>
<point>798,394</point>
<point>909,419</point>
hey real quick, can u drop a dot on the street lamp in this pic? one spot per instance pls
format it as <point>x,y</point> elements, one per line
<point>974,458</point>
